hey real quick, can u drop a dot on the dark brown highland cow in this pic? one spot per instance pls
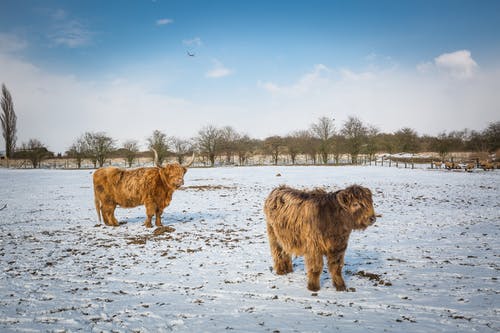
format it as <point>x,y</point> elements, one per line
<point>314,224</point>
<point>152,187</point>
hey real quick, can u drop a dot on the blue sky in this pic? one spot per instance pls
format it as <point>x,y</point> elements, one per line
<point>263,67</point>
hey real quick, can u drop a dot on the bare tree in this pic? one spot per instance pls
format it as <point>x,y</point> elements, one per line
<point>9,120</point>
<point>295,144</point>
<point>244,148</point>
<point>492,136</point>
<point>100,147</point>
<point>180,148</point>
<point>407,140</point>
<point>477,142</point>
<point>131,148</point>
<point>441,145</point>
<point>355,134</point>
<point>338,147</point>
<point>78,150</point>
<point>159,142</point>
<point>371,142</point>
<point>324,130</point>
<point>274,146</point>
<point>35,152</point>
<point>229,137</point>
<point>387,142</point>
<point>309,143</point>
<point>209,140</point>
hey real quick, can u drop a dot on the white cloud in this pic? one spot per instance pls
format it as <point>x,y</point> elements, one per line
<point>218,70</point>
<point>270,87</point>
<point>350,75</point>
<point>311,78</point>
<point>458,64</point>
<point>67,31</point>
<point>316,80</point>
<point>193,42</point>
<point>387,98</point>
<point>308,82</point>
<point>56,109</point>
<point>164,21</point>
<point>425,67</point>
<point>71,34</point>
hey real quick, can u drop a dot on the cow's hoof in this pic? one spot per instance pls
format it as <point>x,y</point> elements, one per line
<point>341,288</point>
<point>313,287</point>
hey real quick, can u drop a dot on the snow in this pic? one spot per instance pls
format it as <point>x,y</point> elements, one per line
<point>434,256</point>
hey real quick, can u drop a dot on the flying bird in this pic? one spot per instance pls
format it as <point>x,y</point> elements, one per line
<point>190,54</point>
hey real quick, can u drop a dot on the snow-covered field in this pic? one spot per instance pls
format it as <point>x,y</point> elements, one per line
<point>430,264</point>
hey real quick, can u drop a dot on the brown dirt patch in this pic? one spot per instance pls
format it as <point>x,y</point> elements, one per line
<point>163,229</point>
<point>207,188</point>
<point>373,277</point>
<point>142,239</point>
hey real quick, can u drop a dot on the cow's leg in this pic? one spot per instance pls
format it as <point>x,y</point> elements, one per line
<point>335,265</point>
<point>314,266</point>
<point>104,215</point>
<point>282,260</point>
<point>108,215</point>
<point>150,211</point>
<point>158,217</point>
<point>113,218</point>
<point>101,208</point>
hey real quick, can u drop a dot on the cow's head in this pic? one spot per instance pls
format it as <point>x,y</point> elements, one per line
<point>172,175</point>
<point>357,201</point>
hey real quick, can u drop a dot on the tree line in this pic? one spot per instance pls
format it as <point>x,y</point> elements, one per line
<point>321,143</point>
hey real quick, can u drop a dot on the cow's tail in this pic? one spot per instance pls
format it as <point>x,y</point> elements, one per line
<point>97,206</point>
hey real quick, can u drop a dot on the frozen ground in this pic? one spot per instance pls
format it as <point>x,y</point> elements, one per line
<point>430,264</point>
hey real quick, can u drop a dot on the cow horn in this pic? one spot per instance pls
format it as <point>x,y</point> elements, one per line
<point>155,161</point>
<point>190,162</point>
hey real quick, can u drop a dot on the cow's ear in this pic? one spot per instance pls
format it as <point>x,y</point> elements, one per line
<point>365,193</point>
<point>343,198</point>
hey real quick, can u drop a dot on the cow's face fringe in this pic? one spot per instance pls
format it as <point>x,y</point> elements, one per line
<point>357,201</point>
<point>172,175</point>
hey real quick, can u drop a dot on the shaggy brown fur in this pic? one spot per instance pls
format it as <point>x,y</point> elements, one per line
<point>313,224</point>
<point>152,187</point>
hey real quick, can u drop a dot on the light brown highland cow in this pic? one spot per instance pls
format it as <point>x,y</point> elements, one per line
<point>152,187</point>
<point>314,224</point>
